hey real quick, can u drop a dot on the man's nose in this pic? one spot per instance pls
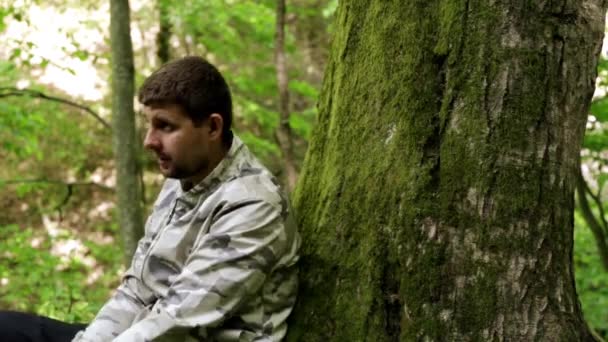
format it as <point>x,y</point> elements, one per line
<point>151,141</point>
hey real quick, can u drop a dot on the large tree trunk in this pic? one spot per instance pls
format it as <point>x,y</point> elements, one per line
<point>126,144</point>
<point>436,200</point>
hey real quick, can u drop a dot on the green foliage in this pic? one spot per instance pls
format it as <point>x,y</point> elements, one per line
<point>302,123</point>
<point>603,71</point>
<point>9,10</point>
<point>34,279</point>
<point>591,278</point>
<point>595,140</point>
<point>17,131</point>
<point>599,109</point>
<point>260,147</point>
<point>18,125</point>
<point>303,88</point>
<point>595,137</point>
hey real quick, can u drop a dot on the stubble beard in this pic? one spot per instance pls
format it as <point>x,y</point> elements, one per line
<point>185,172</point>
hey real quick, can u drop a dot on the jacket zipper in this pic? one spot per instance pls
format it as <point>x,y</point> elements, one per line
<point>155,240</point>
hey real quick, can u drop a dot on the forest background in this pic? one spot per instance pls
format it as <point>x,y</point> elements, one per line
<point>60,250</point>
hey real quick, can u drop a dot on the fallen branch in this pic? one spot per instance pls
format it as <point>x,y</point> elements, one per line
<point>54,181</point>
<point>10,91</point>
<point>69,187</point>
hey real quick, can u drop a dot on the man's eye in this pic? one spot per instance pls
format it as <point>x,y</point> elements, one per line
<point>165,127</point>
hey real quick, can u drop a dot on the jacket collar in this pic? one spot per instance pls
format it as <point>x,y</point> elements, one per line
<point>222,172</point>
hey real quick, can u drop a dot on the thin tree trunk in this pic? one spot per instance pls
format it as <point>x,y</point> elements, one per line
<point>128,186</point>
<point>164,33</point>
<point>436,199</point>
<point>312,34</point>
<point>597,227</point>
<point>283,133</point>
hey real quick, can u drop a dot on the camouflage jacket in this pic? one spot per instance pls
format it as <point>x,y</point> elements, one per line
<point>216,263</point>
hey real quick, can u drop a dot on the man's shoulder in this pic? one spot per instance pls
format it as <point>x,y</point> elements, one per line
<point>251,180</point>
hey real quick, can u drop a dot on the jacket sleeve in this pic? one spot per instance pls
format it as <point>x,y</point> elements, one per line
<point>226,266</point>
<point>129,300</point>
<point>132,298</point>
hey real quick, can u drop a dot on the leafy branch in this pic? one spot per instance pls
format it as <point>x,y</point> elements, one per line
<point>11,91</point>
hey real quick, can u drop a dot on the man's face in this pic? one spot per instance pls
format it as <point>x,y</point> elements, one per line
<point>181,148</point>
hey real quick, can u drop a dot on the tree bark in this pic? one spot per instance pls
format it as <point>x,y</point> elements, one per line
<point>126,144</point>
<point>283,133</point>
<point>436,199</point>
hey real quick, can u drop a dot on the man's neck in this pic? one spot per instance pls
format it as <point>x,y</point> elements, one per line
<point>214,160</point>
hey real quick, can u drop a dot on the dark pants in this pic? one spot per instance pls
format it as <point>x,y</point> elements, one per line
<point>22,327</point>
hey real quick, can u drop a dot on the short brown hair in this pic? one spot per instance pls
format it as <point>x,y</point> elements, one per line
<point>194,84</point>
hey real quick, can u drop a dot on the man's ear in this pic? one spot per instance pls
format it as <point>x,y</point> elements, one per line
<point>216,126</point>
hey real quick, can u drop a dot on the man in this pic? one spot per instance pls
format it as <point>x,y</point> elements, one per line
<point>217,261</point>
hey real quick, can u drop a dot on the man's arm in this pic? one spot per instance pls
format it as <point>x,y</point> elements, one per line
<point>113,318</point>
<point>132,296</point>
<point>225,267</point>
<point>119,311</point>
